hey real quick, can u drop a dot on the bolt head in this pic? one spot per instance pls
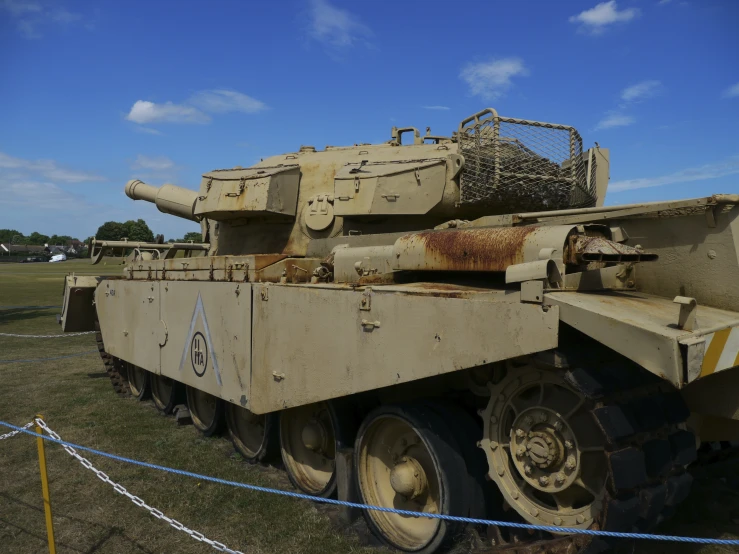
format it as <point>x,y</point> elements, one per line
<point>493,420</point>
<point>521,451</point>
<point>568,444</point>
<point>543,417</point>
<point>544,480</point>
<point>500,470</point>
<point>580,518</point>
<point>560,478</point>
<point>558,521</point>
<point>528,421</point>
<point>527,469</point>
<point>558,425</point>
<point>520,433</point>
<point>571,462</point>
<point>514,495</point>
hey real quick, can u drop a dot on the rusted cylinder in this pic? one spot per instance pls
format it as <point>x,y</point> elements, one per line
<point>478,249</point>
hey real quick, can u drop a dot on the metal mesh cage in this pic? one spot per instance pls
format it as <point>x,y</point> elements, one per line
<point>519,165</point>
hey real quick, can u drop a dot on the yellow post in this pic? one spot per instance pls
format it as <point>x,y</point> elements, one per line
<point>45,487</point>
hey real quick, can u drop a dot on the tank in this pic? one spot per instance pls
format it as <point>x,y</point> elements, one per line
<point>460,315</point>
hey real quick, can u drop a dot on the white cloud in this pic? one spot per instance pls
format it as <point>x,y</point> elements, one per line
<point>193,110</point>
<point>663,2</point>
<point>614,120</point>
<point>39,195</point>
<point>224,101</point>
<point>335,27</point>
<point>732,91</point>
<point>596,19</point>
<point>159,163</point>
<point>29,16</point>
<point>47,169</point>
<point>144,111</point>
<point>641,91</point>
<point>724,168</point>
<point>436,108</point>
<point>492,79</point>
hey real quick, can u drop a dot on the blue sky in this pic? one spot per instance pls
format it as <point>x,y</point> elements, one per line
<point>95,93</point>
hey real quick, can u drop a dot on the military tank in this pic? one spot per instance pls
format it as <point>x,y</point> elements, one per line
<point>460,315</point>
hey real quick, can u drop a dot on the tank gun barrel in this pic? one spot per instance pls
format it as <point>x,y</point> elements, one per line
<point>169,199</point>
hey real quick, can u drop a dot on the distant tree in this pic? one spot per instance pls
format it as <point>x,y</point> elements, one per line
<point>195,236</point>
<point>6,235</point>
<point>111,230</point>
<point>38,239</point>
<point>135,231</point>
<point>60,240</point>
<point>139,231</point>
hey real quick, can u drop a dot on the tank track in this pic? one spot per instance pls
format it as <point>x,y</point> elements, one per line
<point>113,366</point>
<point>649,447</point>
<point>648,450</point>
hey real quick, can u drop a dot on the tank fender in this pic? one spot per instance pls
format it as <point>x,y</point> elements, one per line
<point>78,310</point>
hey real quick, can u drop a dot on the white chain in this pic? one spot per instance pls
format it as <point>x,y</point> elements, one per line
<point>46,336</point>
<point>14,433</point>
<point>135,499</point>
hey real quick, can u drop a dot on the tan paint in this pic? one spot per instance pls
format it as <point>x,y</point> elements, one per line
<point>401,338</point>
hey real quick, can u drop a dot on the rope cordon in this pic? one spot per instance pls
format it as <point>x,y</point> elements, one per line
<point>71,449</point>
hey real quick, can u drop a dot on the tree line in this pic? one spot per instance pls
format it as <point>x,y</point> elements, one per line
<point>13,236</point>
<point>135,231</point>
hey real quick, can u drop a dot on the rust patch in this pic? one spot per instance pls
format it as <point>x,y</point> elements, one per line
<point>263,260</point>
<point>463,249</point>
<point>377,279</point>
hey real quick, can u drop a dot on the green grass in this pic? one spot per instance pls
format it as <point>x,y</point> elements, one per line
<point>77,401</point>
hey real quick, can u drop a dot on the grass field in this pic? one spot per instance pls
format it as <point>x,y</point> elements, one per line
<point>76,399</point>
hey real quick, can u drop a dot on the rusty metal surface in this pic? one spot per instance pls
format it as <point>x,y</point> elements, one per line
<point>583,249</point>
<point>463,249</point>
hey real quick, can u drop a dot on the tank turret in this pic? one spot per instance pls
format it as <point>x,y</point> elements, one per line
<point>491,165</point>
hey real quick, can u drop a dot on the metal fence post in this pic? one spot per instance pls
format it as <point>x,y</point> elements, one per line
<point>45,487</point>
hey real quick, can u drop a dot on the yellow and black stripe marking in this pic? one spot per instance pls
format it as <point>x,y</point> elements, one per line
<point>722,351</point>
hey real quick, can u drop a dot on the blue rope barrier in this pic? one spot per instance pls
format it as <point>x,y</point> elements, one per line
<point>47,359</point>
<point>547,528</point>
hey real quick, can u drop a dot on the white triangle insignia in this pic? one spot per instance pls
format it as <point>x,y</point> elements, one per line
<point>198,349</point>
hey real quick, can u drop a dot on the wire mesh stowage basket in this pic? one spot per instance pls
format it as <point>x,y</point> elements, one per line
<point>519,165</point>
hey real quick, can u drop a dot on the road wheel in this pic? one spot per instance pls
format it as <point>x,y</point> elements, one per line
<point>138,381</point>
<point>165,392</point>
<point>406,458</point>
<point>254,436</point>
<point>206,411</point>
<point>309,438</point>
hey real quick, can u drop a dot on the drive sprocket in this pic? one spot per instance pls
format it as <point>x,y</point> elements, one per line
<point>590,448</point>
